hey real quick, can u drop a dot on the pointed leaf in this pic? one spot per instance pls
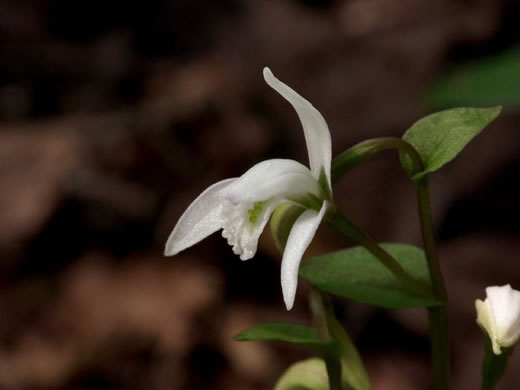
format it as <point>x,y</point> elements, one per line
<point>489,81</point>
<point>290,333</point>
<point>356,274</point>
<point>441,136</point>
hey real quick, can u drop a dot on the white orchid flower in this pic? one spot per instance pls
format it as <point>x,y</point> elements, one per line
<point>499,316</point>
<point>242,206</point>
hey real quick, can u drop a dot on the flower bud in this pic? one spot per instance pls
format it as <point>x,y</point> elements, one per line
<point>310,374</point>
<point>499,316</point>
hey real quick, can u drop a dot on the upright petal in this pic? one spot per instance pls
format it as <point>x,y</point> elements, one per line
<point>317,135</point>
<point>299,239</point>
<point>200,219</point>
<point>270,179</point>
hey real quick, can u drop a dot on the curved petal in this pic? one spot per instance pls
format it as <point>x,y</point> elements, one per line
<point>201,218</point>
<point>272,179</point>
<point>317,134</point>
<point>299,239</point>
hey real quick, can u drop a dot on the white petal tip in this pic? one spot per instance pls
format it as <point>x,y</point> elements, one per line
<point>289,292</point>
<point>172,247</point>
<point>170,251</point>
<point>269,77</point>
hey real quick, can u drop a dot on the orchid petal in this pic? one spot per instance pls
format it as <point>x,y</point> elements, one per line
<point>504,302</point>
<point>317,134</point>
<point>300,237</point>
<point>201,218</point>
<point>272,179</point>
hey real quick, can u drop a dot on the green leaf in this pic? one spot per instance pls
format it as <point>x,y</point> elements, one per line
<point>490,81</point>
<point>439,137</point>
<point>358,275</point>
<point>290,333</point>
<point>310,374</point>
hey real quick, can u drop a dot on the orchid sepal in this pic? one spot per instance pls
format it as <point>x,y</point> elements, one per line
<point>315,129</point>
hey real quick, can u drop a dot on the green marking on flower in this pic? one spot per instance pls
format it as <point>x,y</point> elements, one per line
<point>254,212</point>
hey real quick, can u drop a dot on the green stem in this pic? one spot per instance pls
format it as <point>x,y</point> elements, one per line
<point>362,151</point>
<point>437,316</point>
<point>493,366</point>
<point>333,364</point>
<point>353,374</point>
<point>343,226</point>
<point>423,199</point>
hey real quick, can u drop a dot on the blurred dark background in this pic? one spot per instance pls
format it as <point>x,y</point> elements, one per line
<point>115,115</point>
